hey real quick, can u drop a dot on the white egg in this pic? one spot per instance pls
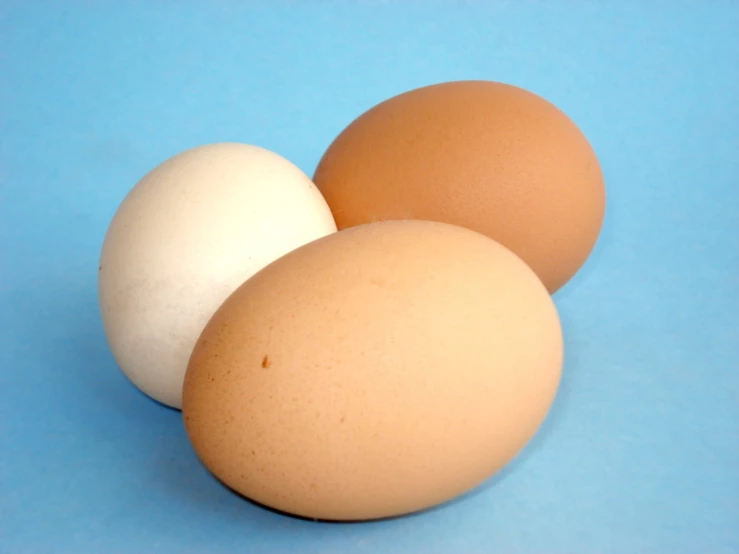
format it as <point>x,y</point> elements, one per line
<point>185,237</point>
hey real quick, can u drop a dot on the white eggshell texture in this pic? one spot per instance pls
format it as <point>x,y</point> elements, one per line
<point>186,236</point>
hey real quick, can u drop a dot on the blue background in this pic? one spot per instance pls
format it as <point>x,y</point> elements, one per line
<point>641,450</point>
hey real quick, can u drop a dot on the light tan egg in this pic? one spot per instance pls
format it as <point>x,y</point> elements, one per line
<point>374,372</point>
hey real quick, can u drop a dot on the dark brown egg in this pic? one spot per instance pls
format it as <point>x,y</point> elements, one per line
<point>488,156</point>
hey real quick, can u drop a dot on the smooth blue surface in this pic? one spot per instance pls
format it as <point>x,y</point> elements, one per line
<point>641,452</point>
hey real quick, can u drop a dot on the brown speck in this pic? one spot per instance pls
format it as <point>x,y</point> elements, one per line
<point>378,281</point>
<point>266,362</point>
<point>342,420</point>
<point>100,268</point>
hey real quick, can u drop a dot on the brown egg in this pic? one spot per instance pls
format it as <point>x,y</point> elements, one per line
<point>374,372</point>
<point>487,156</point>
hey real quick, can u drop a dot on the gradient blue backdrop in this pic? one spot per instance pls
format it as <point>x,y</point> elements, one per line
<point>641,451</point>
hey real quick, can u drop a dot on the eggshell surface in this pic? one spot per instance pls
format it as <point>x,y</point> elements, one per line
<point>488,156</point>
<point>188,234</point>
<point>374,372</point>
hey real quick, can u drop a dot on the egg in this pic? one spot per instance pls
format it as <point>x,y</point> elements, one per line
<point>488,156</point>
<point>374,372</point>
<point>187,235</point>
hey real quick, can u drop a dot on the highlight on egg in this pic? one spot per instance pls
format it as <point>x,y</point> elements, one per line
<point>187,235</point>
<point>489,156</point>
<point>374,372</point>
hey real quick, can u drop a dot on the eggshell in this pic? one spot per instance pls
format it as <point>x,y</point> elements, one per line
<point>488,156</point>
<point>374,372</point>
<point>189,233</point>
